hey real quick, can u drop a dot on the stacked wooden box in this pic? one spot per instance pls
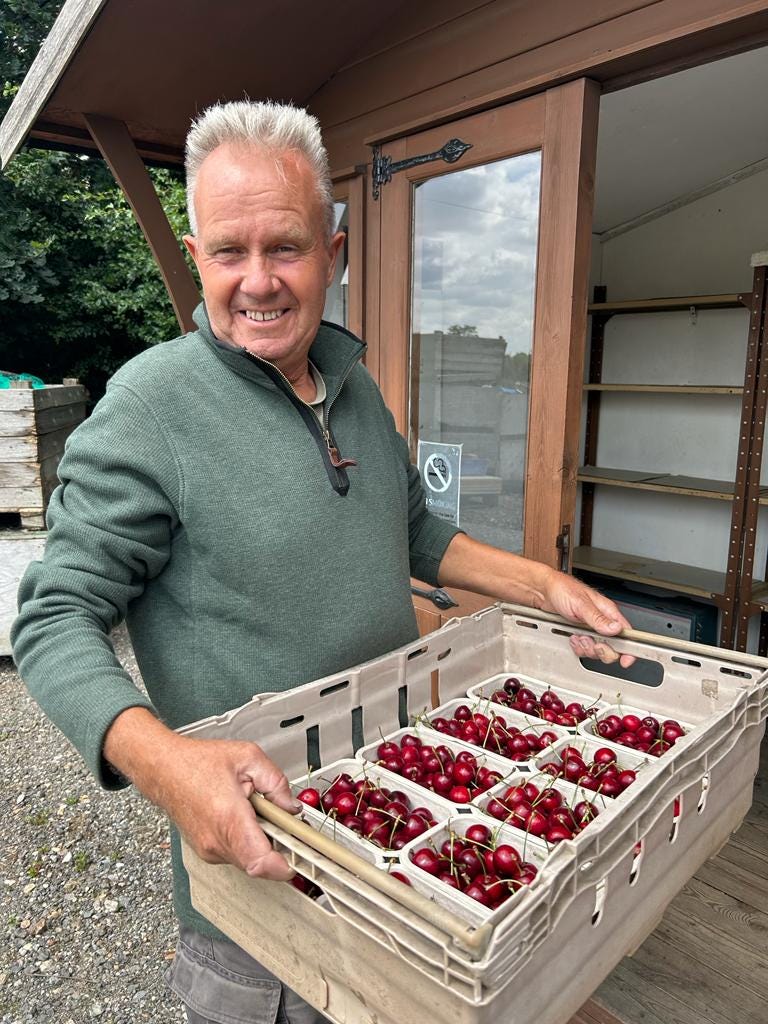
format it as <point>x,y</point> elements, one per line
<point>34,424</point>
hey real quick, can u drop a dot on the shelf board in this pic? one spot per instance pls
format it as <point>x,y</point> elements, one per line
<point>696,487</point>
<point>671,389</point>
<point>671,305</point>
<point>685,579</point>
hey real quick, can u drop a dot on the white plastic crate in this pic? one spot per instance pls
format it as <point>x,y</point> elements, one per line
<point>594,900</point>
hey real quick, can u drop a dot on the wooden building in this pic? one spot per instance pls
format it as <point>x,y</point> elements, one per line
<point>463,137</point>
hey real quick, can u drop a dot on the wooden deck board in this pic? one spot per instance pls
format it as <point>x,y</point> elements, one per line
<point>706,963</point>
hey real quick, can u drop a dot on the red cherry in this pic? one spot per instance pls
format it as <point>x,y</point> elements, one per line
<point>400,877</point>
<point>604,755</point>
<point>631,723</point>
<point>310,797</point>
<point>459,795</point>
<point>427,860</point>
<point>478,834</point>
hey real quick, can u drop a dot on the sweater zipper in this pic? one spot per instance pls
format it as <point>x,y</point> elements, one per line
<point>335,464</point>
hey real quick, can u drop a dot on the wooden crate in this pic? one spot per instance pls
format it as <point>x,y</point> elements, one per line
<point>34,424</point>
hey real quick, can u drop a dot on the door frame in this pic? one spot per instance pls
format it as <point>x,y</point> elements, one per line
<point>562,124</point>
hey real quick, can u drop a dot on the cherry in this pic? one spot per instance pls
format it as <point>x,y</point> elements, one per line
<point>400,877</point>
<point>310,797</point>
<point>506,861</point>
<point>459,795</point>
<point>478,834</point>
<point>427,860</point>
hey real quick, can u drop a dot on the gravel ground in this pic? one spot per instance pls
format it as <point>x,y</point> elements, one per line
<point>85,881</point>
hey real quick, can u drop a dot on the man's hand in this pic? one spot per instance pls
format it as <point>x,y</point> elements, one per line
<point>471,565</point>
<point>204,786</point>
<point>574,600</point>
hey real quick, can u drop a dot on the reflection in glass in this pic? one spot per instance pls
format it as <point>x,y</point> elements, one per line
<point>474,276</point>
<point>336,298</point>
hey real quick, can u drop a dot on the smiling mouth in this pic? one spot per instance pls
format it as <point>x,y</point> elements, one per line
<point>262,317</point>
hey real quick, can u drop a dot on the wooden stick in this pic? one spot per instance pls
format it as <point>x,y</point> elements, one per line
<point>472,937</point>
<point>637,635</point>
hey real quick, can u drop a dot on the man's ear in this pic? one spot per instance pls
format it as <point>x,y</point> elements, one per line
<point>334,248</point>
<point>190,243</point>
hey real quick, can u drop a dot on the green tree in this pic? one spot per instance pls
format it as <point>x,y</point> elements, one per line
<point>465,330</point>
<point>79,290</point>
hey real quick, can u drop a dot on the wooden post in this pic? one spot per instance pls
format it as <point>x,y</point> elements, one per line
<point>117,148</point>
<point>557,368</point>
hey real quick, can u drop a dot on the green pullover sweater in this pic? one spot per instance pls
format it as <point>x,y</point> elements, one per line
<point>200,502</point>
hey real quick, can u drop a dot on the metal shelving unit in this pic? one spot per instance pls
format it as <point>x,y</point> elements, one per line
<point>733,591</point>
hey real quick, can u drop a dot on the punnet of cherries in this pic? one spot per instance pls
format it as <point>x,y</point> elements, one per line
<point>457,776</point>
<point>548,706</point>
<point>542,811</point>
<point>475,864</point>
<point>494,733</point>
<point>601,773</point>
<point>646,735</point>
<point>385,817</point>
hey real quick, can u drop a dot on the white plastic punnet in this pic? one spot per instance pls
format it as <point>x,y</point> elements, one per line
<point>594,704</point>
<point>440,809</point>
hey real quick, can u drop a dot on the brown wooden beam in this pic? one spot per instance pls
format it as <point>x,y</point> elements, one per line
<point>557,367</point>
<point>117,148</point>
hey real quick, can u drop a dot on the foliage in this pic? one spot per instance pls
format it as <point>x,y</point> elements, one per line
<point>465,330</point>
<point>517,368</point>
<point>79,289</point>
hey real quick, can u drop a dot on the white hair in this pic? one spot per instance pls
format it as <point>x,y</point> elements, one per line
<point>276,128</point>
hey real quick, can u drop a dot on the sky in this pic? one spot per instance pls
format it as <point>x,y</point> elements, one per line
<point>475,235</point>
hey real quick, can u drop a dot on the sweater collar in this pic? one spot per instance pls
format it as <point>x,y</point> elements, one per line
<point>334,352</point>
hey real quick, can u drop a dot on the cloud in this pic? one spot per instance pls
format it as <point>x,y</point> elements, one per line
<point>475,242</point>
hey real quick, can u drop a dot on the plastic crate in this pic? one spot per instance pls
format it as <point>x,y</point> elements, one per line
<point>594,900</point>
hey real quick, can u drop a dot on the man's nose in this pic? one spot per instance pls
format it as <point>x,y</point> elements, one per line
<point>259,277</point>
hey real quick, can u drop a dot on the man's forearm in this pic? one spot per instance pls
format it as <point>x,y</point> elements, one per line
<point>472,565</point>
<point>139,746</point>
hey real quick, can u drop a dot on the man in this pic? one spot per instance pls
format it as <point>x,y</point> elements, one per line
<point>240,495</point>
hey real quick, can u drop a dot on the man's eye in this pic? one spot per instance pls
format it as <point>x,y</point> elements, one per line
<point>283,249</point>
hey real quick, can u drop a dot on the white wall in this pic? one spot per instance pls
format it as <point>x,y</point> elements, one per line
<point>701,248</point>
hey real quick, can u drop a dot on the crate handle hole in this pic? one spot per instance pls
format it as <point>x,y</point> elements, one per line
<point>704,793</point>
<point>562,632</point>
<point>600,892</point>
<point>444,654</point>
<point>644,671</point>
<point>417,653</point>
<point>288,722</point>
<point>686,661</point>
<point>634,871</point>
<point>735,672</point>
<point>526,623</point>
<point>335,688</point>
<point>677,813</point>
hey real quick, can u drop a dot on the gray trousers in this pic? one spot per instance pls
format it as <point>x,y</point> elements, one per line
<point>219,983</point>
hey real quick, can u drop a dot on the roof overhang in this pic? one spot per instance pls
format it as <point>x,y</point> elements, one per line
<point>155,66</point>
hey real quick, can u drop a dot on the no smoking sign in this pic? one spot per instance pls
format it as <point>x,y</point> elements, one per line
<point>440,468</point>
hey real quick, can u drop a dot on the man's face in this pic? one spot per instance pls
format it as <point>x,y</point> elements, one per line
<point>262,253</point>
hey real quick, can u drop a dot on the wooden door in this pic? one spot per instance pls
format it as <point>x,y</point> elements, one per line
<point>484,268</point>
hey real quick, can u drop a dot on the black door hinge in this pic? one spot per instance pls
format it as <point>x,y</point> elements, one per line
<point>563,544</point>
<point>383,168</point>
